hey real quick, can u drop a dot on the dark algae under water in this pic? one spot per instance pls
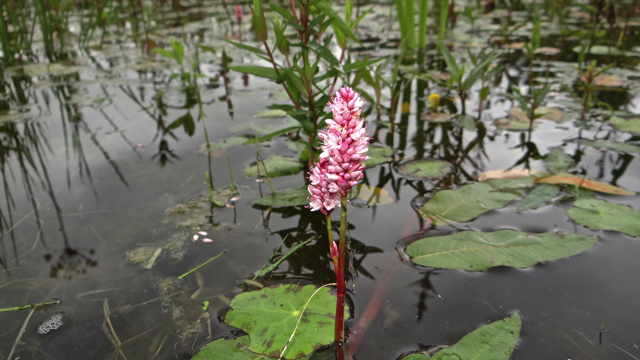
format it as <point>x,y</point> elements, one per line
<point>119,177</point>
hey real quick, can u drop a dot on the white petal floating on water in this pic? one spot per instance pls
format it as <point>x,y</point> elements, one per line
<point>207,240</point>
<point>229,206</point>
<point>235,198</point>
<point>202,233</point>
<point>195,237</point>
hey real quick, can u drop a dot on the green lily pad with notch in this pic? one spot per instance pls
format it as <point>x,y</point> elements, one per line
<point>473,250</point>
<point>425,169</point>
<point>276,166</point>
<point>289,197</point>
<point>603,215</point>
<point>464,204</point>
<point>631,125</point>
<point>377,155</point>
<point>612,145</point>
<point>270,315</point>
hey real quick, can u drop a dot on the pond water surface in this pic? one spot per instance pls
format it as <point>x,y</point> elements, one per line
<point>95,183</point>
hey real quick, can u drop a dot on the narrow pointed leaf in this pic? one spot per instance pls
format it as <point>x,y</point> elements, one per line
<point>569,179</point>
<point>337,21</point>
<point>260,71</point>
<point>473,250</point>
<point>538,197</point>
<point>247,47</point>
<point>451,63</point>
<point>495,341</point>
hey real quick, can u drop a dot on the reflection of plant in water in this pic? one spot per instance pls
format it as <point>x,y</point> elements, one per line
<point>70,262</point>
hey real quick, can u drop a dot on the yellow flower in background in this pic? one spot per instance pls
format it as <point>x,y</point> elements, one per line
<point>433,101</point>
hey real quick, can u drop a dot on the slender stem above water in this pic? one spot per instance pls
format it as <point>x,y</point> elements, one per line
<point>342,286</point>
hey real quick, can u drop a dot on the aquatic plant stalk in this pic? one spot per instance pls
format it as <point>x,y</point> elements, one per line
<point>340,167</point>
<point>198,267</point>
<point>22,330</point>
<point>24,307</point>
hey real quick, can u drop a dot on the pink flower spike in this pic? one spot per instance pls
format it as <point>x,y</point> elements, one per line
<point>343,146</point>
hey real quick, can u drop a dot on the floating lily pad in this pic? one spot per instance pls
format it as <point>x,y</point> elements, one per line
<point>231,349</point>
<point>289,197</point>
<point>569,179</point>
<point>548,51</point>
<point>438,117</point>
<point>473,250</point>
<point>603,215</point>
<point>273,113</point>
<point>605,50</point>
<point>631,125</point>
<point>238,140</point>
<point>371,194</point>
<point>608,81</point>
<point>538,197</point>
<point>512,174</point>
<point>276,166</point>
<point>516,183</point>
<point>612,145</point>
<point>540,113</point>
<point>425,169</point>
<point>377,155</point>
<point>464,204</point>
<point>495,341</point>
<point>513,124</point>
<point>558,161</point>
<point>270,315</point>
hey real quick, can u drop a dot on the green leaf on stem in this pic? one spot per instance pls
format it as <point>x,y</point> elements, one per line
<point>451,64</point>
<point>178,50</point>
<point>325,7</point>
<point>260,71</point>
<point>254,50</point>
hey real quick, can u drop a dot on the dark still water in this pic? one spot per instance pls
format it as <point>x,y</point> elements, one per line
<point>104,203</point>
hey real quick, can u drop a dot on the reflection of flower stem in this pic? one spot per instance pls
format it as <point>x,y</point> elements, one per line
<point>260,162</point>
<point>232,186</point>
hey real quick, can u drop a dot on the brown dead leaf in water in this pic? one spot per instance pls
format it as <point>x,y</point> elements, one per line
<point>511,174</point>
<point>564,178</point>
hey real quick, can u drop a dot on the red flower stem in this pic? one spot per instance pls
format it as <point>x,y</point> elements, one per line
<point>342,286</point>
<point>334,258</point>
